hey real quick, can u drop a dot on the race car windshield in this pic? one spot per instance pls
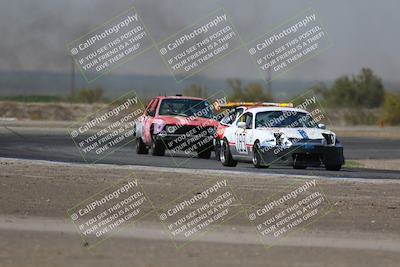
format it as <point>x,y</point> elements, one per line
<point>232,114</point>
<point>289,119</point>
<point>186,108</point>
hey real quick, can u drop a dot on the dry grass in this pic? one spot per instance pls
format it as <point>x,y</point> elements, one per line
<point>46,111</point>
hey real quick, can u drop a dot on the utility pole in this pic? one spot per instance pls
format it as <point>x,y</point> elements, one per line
<point>269,82</point>
<point>72,77</point>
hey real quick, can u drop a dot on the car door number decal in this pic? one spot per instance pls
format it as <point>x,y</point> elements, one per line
<point>241,143</point>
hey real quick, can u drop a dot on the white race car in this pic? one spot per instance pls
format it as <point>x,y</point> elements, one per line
<point>280,135</point>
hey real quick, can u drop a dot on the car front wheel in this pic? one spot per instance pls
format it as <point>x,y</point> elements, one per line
<point>226,156</point>
<point>157,148</point>
<point>141,147</point>
<point>257,160</point>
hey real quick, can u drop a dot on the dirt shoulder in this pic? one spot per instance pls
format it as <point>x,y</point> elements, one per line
<point>376,164</point>
<point>46,111</point>
<point>389,132</point>
<point>362,228</point>
<point>36,188</point>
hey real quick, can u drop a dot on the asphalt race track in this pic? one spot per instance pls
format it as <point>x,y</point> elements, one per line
<point>56,145</point>
<point>43,175</point>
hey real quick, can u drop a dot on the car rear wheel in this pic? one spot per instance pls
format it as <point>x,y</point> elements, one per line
<point>333,167</point>
<point>205,154</point>
<point>226,156</point>
<point>141,147</point>
<point>157,148</point>
<point>257,159</point>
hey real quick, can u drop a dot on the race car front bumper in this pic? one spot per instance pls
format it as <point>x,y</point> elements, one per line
<point>184,142</point>
<point>304,154</point>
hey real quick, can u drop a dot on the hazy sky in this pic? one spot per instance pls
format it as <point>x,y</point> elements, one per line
<point>33,34</point>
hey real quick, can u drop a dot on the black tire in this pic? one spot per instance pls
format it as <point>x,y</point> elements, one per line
<point>257,160</point>
<point>134,131</point>
<point>217,149</point>
<point>157,148</point>
<point>141,147</point>
<point>226,156</point>
<point>333,167</point>
<point>299,167</point>
<point>205,154</point>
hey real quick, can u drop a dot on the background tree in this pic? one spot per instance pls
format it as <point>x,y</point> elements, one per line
<point>253,92</point>
<point>391,109</point>
<point>196,90</point>
<point>88,95</point>
<point>370,89</point>
<point>236,86</point>
<point>363,90</point>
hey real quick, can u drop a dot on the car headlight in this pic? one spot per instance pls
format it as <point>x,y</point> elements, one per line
<point>282,140</point>
<point>268,142</point>
<point>329,139</point>
<point>158,126</point>
<point>285,142</point>
<point>170,129</point>
<point>212,131</point>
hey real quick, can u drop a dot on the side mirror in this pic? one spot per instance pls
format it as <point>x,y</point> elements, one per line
<point>241,124</point>
<point>321,126</point>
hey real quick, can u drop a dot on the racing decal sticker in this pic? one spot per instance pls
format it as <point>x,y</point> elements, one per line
<point>241,143</point>
<point>303,134</point>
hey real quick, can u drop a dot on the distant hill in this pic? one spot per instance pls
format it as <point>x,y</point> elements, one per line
<point>14,83</point>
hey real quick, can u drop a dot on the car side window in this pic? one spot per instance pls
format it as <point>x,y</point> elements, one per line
<point>238,112</point>
<point>241,119</point>
<point>248,119</point>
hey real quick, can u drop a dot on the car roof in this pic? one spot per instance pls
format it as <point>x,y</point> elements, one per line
<point>180,97</point>
<point>261,109</point>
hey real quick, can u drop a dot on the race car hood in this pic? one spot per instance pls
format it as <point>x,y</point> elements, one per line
<point>299,133</point>
<point>191,121</point>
